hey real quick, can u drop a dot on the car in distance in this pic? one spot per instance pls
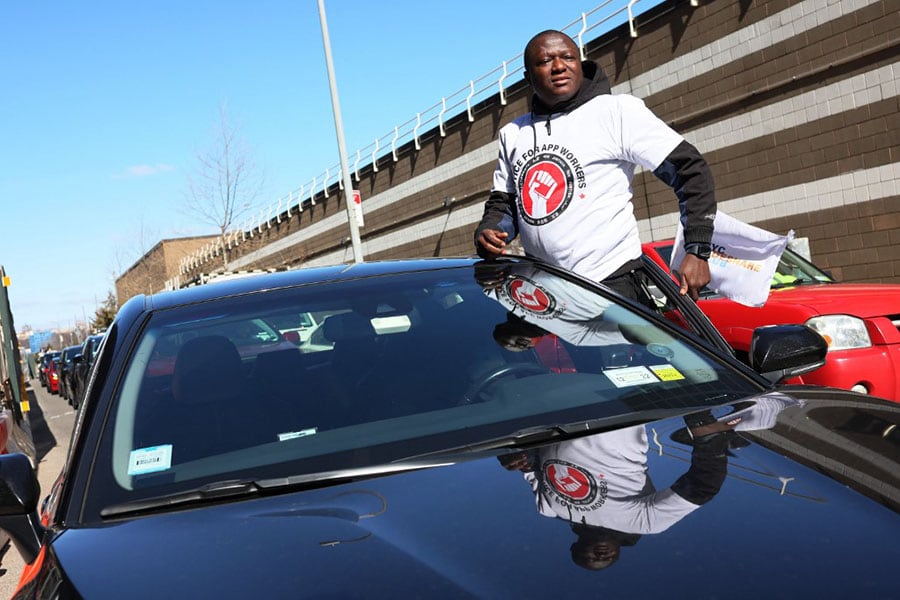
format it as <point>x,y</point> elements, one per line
<point>861,322</point>
<point>66,365</point>
<point>53,375</point>
<point>508,430</point>
<point>295,327</point>
<point>82,363</point>
<point>44,367</point>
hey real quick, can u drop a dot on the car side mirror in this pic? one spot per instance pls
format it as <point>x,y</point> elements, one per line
<point>19,494</point>
<point>78,359</point>
<point>779,352</point>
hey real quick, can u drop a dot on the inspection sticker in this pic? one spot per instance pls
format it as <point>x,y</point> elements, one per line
<point>666,372</point>
<point>150,460</point>
<point>292,435</point>
<point>629,376</point>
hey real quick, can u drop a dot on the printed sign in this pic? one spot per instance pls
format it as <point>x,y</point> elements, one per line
<point>630,376</point>
<point>666,372</point>
<point>743,259</point>
<point>150,460</point>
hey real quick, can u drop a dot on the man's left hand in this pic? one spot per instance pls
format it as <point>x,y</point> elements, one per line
<point>694,275</point>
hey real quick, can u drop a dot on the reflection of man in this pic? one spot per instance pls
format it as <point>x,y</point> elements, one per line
<point>516,334</point>
<point>539,304</point>
<point>602,480</point>
<point>601,485</point>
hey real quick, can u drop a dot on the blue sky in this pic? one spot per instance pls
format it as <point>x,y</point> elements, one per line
<point>106,105</point>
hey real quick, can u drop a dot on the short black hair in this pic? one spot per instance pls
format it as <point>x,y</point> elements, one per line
<point>536,37</point>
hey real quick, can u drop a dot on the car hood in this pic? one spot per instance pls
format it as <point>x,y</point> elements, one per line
<point>861,300</point>
<point>781,524</point>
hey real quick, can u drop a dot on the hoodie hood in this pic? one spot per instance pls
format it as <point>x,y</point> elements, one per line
<point>595,84</point>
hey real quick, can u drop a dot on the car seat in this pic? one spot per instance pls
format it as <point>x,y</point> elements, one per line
<point>208,389</point>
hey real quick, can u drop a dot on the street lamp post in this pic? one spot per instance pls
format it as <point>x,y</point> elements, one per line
<point>339,130</point>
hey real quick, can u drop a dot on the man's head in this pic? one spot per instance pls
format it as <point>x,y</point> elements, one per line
<point>595,556</point>
<point>553,67</point>
<point>598,547</point>
<point>516,334</point>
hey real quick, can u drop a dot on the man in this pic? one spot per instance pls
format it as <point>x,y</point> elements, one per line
<point>601,485</point>
<point>563,179</point>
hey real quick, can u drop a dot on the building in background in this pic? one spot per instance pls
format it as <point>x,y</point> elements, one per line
<point>162,262</point>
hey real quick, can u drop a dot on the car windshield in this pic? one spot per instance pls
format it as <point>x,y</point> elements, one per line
<point>792,270</point>
<point>397,366</point>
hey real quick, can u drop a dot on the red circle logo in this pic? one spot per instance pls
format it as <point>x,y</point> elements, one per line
<point>529,296</point>
<point>569,481</point>
<point>543,190</point>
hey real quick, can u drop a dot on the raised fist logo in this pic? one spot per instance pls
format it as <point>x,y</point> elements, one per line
<point>570,482</point>
<point>541,188</point>
<point>546,189</point>
<point>529,296</point>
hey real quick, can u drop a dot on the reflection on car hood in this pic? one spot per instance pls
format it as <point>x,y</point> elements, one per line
<point>861,300</point>
<point>780,525</point>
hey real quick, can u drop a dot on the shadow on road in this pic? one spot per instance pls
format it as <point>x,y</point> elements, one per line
<point>43,438</point>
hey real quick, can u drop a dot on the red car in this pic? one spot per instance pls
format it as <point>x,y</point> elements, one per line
<point>53,375</point>
<point>44,367</point>
<point>861,322</point>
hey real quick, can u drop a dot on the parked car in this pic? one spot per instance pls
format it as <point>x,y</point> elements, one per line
<point>66,371</point>
<point>295,326</point>
<point>44,367</point>
<point>53,375</point>
<point>81,369</point>
<point>860,322</point>
<point>513,429</point>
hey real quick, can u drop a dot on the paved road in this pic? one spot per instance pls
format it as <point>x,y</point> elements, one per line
<point>52,420</point>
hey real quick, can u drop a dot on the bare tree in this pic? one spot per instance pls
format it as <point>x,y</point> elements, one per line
<point>225,182</point>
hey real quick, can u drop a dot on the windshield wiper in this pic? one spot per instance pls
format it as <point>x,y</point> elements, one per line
<point>517,439</point>
<point>230,488</point>
<point>523,438</point>
<point>797,283</point>
<point>242,488</point>
<point>531,436</point>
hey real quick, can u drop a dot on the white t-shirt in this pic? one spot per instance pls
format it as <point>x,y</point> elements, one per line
<point>563,309</point>
<point>572,180</point>
<point>602,480</point>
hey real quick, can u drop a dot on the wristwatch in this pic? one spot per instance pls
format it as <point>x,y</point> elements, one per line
<point>699,249</point>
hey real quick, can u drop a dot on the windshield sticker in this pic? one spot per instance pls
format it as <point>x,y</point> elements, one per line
<point>292,435</point>
<point>629,376</point>
<point>150,460</point>
<point>666,372</point>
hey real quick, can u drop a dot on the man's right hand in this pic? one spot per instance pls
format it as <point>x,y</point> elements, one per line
<point>493,242</point>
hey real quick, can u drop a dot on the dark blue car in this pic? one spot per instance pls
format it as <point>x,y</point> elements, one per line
<point>456,429</point>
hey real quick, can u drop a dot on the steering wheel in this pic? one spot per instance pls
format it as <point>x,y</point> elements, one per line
<point>479,385</point>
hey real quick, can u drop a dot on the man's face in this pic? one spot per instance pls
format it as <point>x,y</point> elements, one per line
<point>553,68</point>
<point>518,343</point>
<point>595,556</point>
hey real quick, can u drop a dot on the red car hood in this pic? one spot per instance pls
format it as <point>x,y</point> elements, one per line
<point>862,300</point>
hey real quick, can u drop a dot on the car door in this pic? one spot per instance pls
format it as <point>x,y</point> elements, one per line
<point>679,309</point>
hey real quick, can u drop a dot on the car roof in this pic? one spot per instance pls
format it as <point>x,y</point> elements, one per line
<point>295,277</point>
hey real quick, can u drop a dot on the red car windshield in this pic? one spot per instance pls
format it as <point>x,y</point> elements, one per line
<point>792,269</point>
